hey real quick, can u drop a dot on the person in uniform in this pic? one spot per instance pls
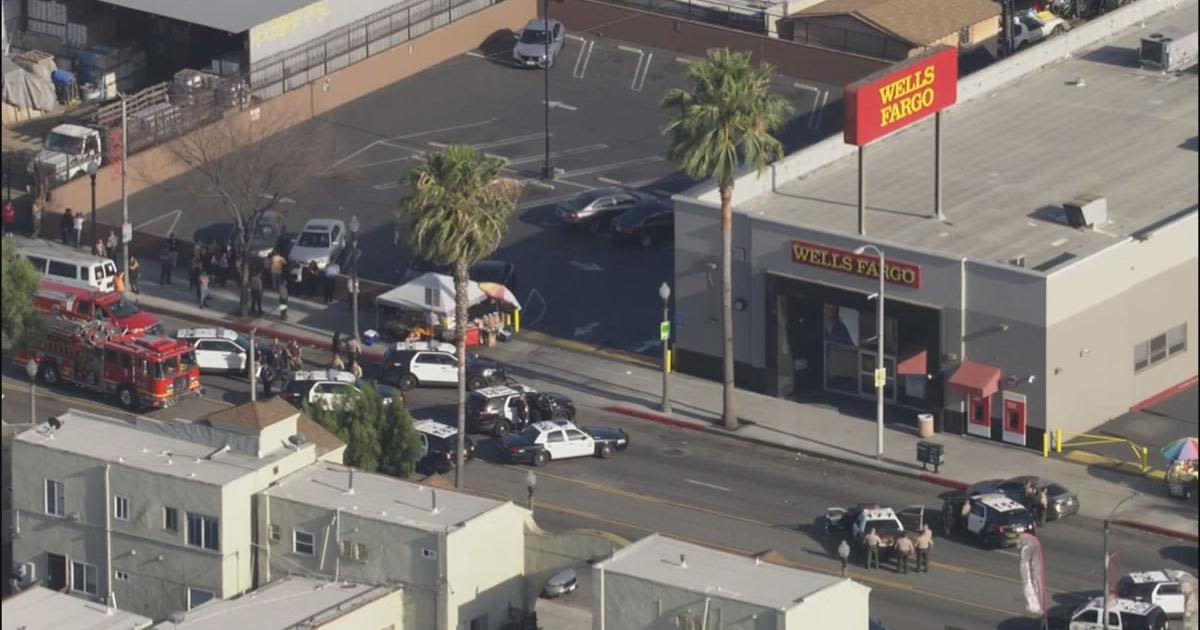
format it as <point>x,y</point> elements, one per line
<point>872,541</point>
<point>924,545</point>
<point>904,551</point>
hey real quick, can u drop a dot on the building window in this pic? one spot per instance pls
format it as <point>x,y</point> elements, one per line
<point>275,535</point>
<point>55,499</point>
<point>1160,347</point>
<point>303,542</point>
<point>171,519</point>
<point>203,532</point>
<point>121,576</point>
<point>354,550</point>
<point>84,578</point>
<point>197,596</point>
<point>121,508</point>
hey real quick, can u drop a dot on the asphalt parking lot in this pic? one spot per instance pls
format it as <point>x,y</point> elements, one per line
<point>605,130</point>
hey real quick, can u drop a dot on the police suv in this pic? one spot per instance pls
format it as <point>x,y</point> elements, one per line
<point>541,442</point>
<point>1123,614</point>
<point>439,444</point>
<point>218,349</point>
<point>498,409</point>
<point>1163,587</point>
<point>332,389</point>
<point>993,520</point>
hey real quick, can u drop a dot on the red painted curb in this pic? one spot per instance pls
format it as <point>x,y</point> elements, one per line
<point>655,417</point>
<point>943,482</point>
<point>1161,531</point>
<point>1169,392</point>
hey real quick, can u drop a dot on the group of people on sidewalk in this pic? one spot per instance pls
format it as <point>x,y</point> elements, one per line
<point>905,549</point>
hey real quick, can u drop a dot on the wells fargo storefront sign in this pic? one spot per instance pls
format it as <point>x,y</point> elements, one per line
<point>900,95</point>
<point>823,257</point>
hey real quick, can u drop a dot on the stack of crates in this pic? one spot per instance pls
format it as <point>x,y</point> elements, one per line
<point>114,68</point>
<point>77,24</point>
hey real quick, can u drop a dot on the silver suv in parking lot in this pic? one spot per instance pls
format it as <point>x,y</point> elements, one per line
<point>531,48</point>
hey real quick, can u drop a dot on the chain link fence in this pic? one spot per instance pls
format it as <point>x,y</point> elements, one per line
<point>369,36</point>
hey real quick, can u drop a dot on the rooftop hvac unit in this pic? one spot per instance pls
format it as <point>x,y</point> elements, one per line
<point>1169,50</point>
<point>1086,211</point>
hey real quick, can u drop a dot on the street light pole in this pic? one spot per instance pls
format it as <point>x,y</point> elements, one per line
<point>664,292</point>
<point>31,368</point>
<point>124,190</point>
<point>1104,592</point>
<point>547,165</point>
<point>354,274</point>
<point>530,484</point>
<point>92,169</point>
<point>880,365</point>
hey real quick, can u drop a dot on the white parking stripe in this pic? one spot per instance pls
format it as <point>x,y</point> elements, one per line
<point>615,165</point>
<point>585,56</point>
<point>505,141</point>
<point>557,154</point>
<point>410,135</point>
<point>708,485</point>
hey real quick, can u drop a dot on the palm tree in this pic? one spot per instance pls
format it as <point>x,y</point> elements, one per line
<point>724,122</point>
<point>457,215</point>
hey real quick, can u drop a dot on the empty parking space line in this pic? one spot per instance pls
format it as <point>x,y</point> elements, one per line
<point>557,154</point>
<point>633,85</point>
<point>638,83</point>
<point>816,123</point>
<point>478,55</point>
<point>174,214</point>
<point>416,134</point>
<point>814,116</point>
<point>560,105</point>
<point>507,141</point>
<point>585,56</point>
<point>612,166</point>
<point>576,38</point>
<point>608,180</point>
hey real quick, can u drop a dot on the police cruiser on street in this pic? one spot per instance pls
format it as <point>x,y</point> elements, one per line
<point>541,442</point>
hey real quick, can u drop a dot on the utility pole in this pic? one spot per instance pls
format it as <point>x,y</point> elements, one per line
<point>126,237</point>
<point>354,253</point>
<point>664,292</point>
<point>547,165</point>
<point>252,368</point>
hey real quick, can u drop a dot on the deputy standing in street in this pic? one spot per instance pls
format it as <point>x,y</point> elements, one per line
<point>256,290</point>
<point>329,279</point>
<point>844,553</point>
<point>924,545</point>
<point>904,551</point>
<point>872,541</point>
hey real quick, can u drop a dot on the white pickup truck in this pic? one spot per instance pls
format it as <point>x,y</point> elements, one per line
<point>1030,28</point>
<point>67,152</point>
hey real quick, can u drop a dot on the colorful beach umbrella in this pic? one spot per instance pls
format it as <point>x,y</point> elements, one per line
<point>500,293</point>
<point>1183,449</point>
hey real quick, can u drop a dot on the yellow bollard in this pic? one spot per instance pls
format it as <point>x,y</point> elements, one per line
<point>670,360</point>
<point>1058,440</point>
<point>1045,445</point>
<point>516,321</point>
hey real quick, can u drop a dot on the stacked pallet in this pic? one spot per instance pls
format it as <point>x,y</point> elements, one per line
<point>73,23</point>
<point>115,68</point>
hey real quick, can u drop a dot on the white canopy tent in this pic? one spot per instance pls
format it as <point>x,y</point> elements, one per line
<point>431,292</point>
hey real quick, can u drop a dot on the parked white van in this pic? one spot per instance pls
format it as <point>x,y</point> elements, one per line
<point>72,268</point>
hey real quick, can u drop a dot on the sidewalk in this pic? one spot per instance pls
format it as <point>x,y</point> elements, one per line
<point>839,429</point>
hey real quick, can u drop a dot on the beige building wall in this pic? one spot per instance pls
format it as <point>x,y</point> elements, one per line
<point>630,603</point>
<point>485,567</point>
<point>379,614</point>
<point>1101,307</point>
<point>843,606</point>
<point>156,587</point>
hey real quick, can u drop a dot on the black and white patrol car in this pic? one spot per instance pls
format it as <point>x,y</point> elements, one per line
<point>993,520</point>
<point>439,445</point>
<point>406,367</point>
<point>541,442</point>
<point>218,349</point>
<point>1123,614</point>
<point>332,389</point>
<point>503,408</point>
<point>1163,587</point>
<point>888,523</point>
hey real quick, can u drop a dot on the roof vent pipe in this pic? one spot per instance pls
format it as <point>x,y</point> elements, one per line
<point>683,560</point>
<point>435,503</point>
<point>351,490</point>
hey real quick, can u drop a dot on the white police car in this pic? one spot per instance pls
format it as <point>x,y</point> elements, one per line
<point>543,441</point>
<point>1123,614</point>
<point>439,444</point>
<point>1163,587</point>
<point>218,349</point>
<point>332,389</point>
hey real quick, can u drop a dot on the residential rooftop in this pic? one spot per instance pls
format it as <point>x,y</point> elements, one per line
<point>292,602</point>
<point>40,607</point>
<point>705,571</point>
<point>1094,123</point>
<point>381,497</point>
<point>178,448</point>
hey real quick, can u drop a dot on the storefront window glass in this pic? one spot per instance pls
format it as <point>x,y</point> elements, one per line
<point>891,332</point>
<point>841,325</point>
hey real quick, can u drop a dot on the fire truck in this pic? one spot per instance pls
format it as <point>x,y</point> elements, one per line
<point>139,370</point>
<point>83,305</point>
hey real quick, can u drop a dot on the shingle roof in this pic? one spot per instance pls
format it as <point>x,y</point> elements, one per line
<point>318,435</point>
<point>256,415</point>
<point>918,22</point>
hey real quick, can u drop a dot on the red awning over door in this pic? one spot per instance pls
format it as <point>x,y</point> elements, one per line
<point>978,379</point>
<point>913,365</point>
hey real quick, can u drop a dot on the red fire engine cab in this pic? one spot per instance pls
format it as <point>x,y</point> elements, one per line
<point>139,370</point>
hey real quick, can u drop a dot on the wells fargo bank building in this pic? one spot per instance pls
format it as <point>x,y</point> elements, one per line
<point>1053,294</point>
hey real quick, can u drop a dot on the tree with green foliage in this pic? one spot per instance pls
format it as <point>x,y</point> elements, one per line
<point>457,215</point>
<point>21,321</point>
<point>725,121</point>
<point>379,435</point>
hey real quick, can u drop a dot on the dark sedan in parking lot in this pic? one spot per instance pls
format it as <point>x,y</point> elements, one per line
<point>646,225</point>
<point>1060,502</point>
<point>594,210</point>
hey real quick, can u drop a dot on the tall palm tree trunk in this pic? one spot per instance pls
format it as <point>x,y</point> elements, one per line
<point>729,412</point>
<point>460,340</point>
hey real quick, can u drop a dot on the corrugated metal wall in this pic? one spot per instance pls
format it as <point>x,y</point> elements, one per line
<point>305,45</point>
